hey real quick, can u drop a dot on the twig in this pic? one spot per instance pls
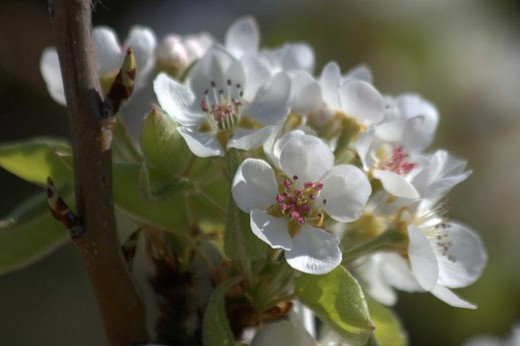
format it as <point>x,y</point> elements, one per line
<point>118,297</point>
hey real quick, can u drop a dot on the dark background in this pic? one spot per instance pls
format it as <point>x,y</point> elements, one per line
<point>464,56</point>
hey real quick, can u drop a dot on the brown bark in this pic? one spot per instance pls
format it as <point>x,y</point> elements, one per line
<point>118,297</point>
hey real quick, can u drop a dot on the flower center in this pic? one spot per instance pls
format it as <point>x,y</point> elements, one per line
<point>398,162</point>
<point>223,106</point>
<point>300,205</point>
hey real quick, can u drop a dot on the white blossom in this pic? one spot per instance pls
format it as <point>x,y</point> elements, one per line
<point>224,104</point>
<point>287,213</point>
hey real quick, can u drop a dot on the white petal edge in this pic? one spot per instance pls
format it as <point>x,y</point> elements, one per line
<point>329,81</point>
<point>447,296</point>
<point>243,37</point>
<point>254,185</point>
<point>51,73</point>
<point>271,230</point>
<point>314,251</point>
<point>396,185</point>
<point>143,41</point>
<point>201,144</point>
<point>362,101</point>
<point>346,190</point>
<point>109,55</point>
<point>422,259</point>
<point>250,139</point>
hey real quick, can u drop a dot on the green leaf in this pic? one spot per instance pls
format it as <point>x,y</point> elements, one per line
<point>216,330</point>
<point>389,331</point>
<point>35,160</point>
<point>170,213</point>
<point>163,146</point>
<point>28,234</point>
<point>337,299</point>
<point>239,241</point>
<point>156,187</point>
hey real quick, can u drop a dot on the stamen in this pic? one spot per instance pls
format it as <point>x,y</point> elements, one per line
<point>224,111</point>
<point>298,204</point>
<point>398,163</point>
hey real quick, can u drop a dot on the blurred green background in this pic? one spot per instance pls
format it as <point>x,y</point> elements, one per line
<point>464,56</point>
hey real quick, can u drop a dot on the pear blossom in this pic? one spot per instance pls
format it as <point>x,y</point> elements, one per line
<point>287,213</point>
<point>384,149</point>
<point>441,254</point>
<point>109,57</point>
<point>224,104</point>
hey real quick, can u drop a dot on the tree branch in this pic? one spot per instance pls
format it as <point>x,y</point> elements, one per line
<point>118,297</point>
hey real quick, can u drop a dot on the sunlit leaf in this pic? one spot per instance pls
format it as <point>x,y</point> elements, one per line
<point>337,299</point>
<point>389,331</point>
<point>35,160</point>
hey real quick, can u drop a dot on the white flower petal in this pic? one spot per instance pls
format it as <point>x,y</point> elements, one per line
<point>256,74</point>
<point>295,56</point>
<point>254,185</point>
<point>363,145</point>
<point>369,270</point>
<point>201,144</point>
<point>361,72</point>
<point>270,105</point>
<point>282,333</point>
<point>346,190</point>
<point>447,296</point>
<point>396,185</point>
<point>250,139</point>
<point>422,259</point>
<point>51,73</point>
<point>362,101</point>
<point>306,157</point>
<point>329,81</point>
<point>468,258</point>
<point>243,37</point>
<point>420,132</point>
<point>390,131</point>
<point>440,172</point>
<point>210,68</point>
<point>109,55</point>
<point>314,251</point>
<point>271,230</point>
<point>273,147</point>
<point>176,100</point>
<point>305,93</point>
<point>396,271</point>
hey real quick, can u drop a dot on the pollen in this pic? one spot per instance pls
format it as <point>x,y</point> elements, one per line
<point>300,205</point>
<point>399,163</point>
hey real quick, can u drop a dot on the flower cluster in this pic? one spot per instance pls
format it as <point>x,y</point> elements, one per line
<point>332,173</point>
